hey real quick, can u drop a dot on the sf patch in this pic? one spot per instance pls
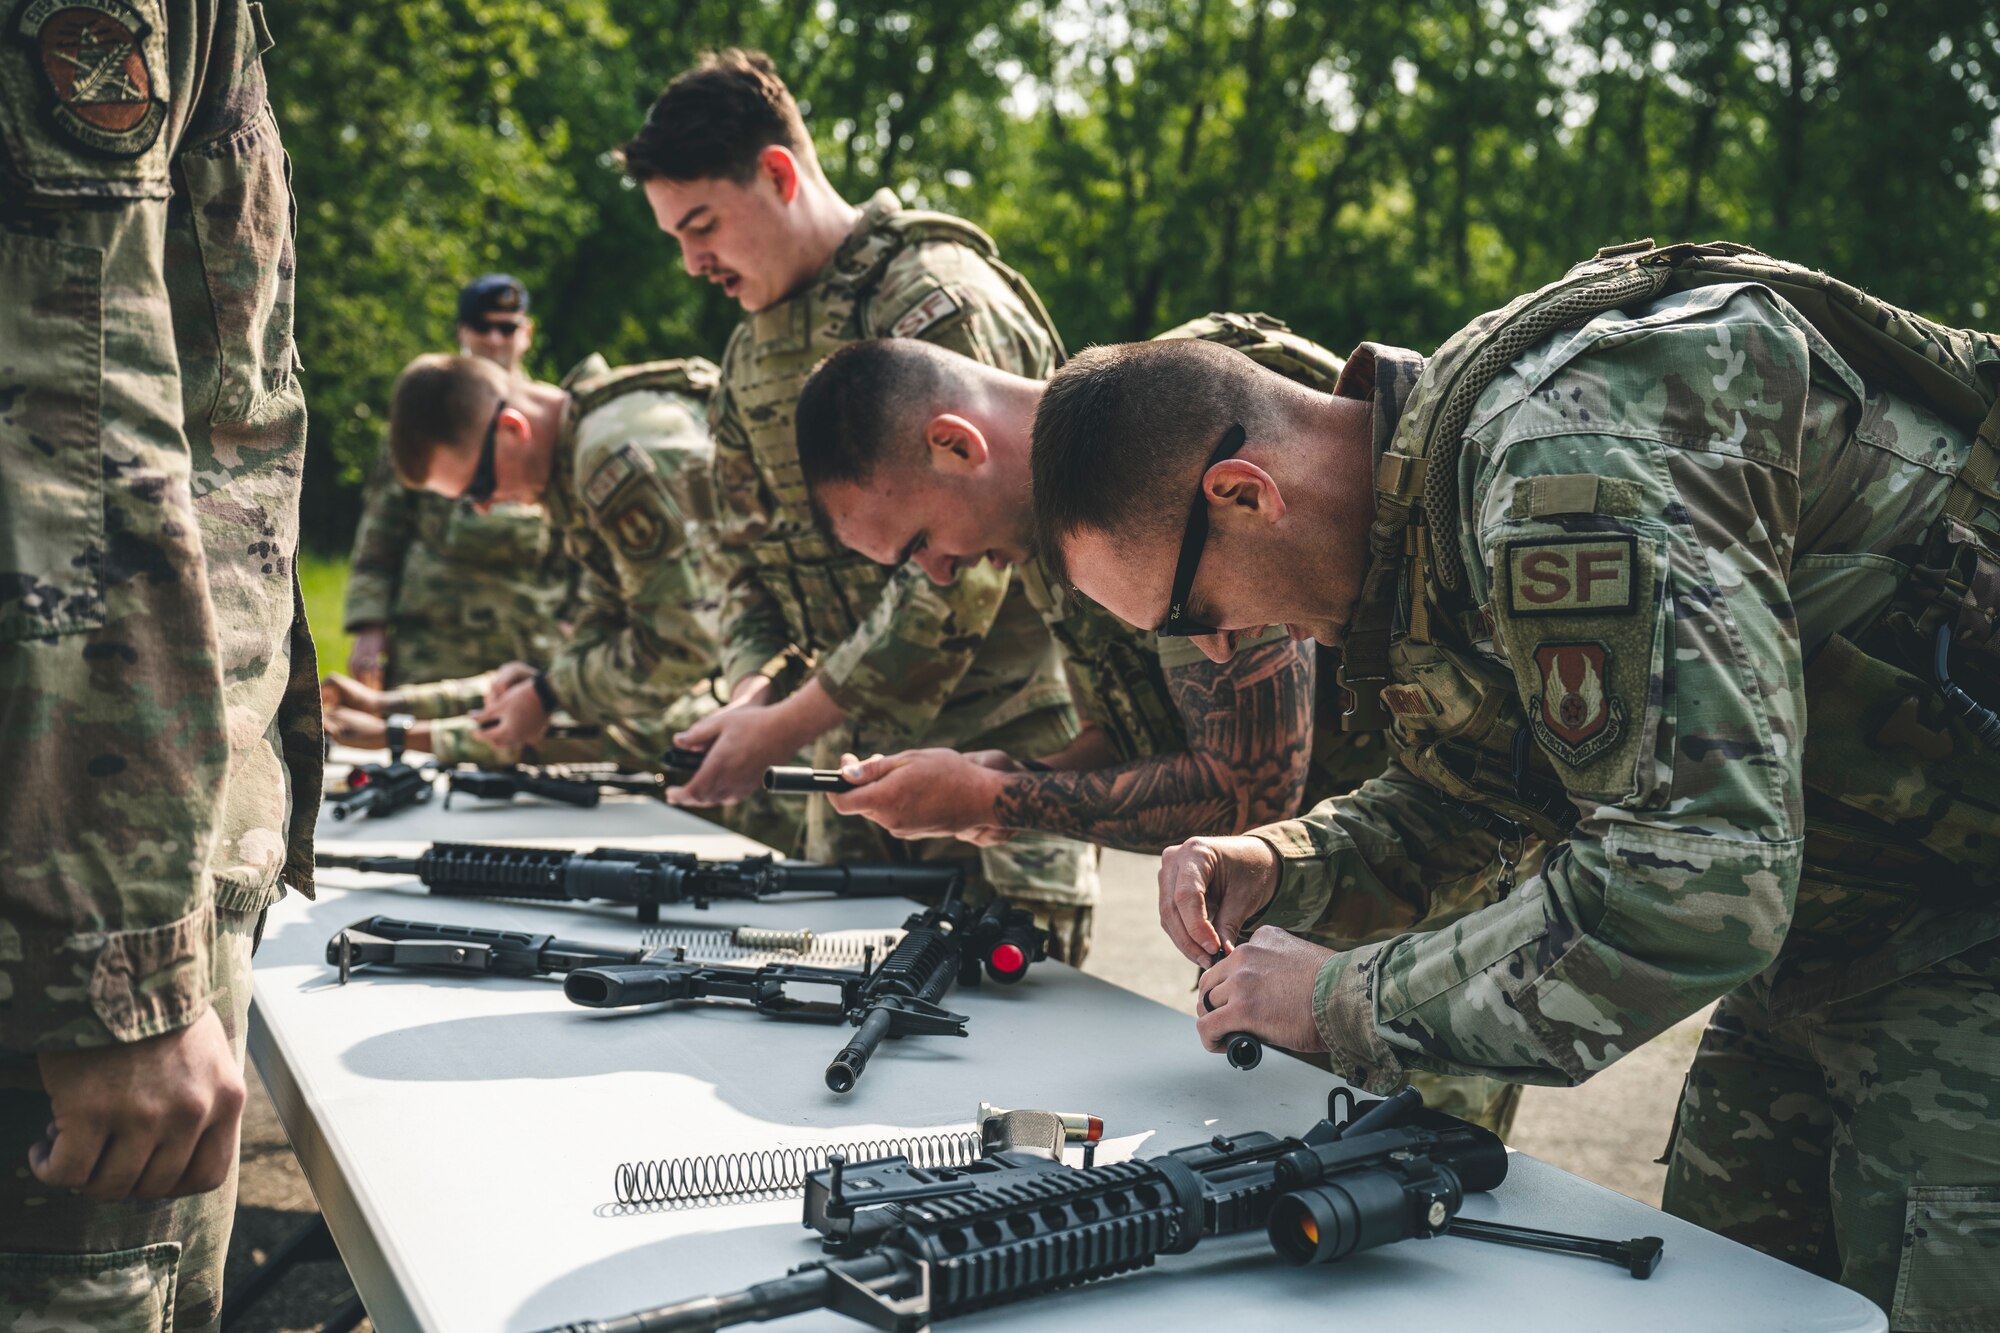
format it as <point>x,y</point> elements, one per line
<point>1569,576</point>
<point>639,530</point>
<point>92,57</point>
<point>609,477</point>
<point>1575,715</point>
<point>935,307</point>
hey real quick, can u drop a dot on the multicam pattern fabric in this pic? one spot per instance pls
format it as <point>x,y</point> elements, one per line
<point>460,591</point>
<point>629,472</point>
<point>156,701</point>
<point>1663,516</point>
<point>158,698</point>
<point>910,663</point>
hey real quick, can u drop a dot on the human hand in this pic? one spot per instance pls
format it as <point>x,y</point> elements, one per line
<point>505,679</point>
<point>929,793</point>
<point>738,742</point>
<point>368,657</point>
<point>1265,988</point>
<point>1209,887</point>
<point>516,719</point>
<point>150,1119</point>
<point>351,726</point>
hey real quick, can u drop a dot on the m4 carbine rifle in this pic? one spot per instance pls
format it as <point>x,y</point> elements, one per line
<point>375,790</point>
<point>647,879</point>
<point>584,790</point>
<point>897,997</point>
<point>387,941</point>
<point>912,1245</point>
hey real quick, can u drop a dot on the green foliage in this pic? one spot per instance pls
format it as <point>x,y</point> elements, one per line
<point>1363,169</point>
<point>323,581</point>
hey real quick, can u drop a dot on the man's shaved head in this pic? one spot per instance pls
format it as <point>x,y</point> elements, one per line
<point>867,404</point>
<point>1123,431</point>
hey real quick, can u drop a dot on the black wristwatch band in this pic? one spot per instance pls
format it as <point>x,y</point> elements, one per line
<point>545,692</point>
<point>1034,766</point>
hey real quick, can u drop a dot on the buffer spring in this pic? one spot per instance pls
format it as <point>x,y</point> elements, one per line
<point>769,1173</point>
<point>743,944</point>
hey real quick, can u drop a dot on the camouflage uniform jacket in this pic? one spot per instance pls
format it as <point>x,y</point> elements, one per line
<point>459,591</point>
<point>627,490</point>
<point>902,658</point>
<point>1663,516</point>
<point>158,704</point>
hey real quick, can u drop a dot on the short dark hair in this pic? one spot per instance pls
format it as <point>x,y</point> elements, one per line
<point>715,120</point>
<point>867,403</point>
<point>1121,435</point>
<point>439,402</point>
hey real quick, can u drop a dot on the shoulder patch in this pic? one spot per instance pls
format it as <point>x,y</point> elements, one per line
<point>610,477</point>
<point>1575,715</point>
<point>1566,576</point>
<point>638,530</point>
<point>92,58</point>
<point>934,307</point>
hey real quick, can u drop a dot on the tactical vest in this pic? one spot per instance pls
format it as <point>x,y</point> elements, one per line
<point>824,589</point>
<point>1462,728</point>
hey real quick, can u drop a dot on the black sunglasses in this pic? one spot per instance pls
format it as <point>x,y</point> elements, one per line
<point>505,327</point>
<point>486,476</point>
<point>1177,623</point>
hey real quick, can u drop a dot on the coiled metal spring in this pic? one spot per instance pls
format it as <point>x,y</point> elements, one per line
<point>769,1173</point>
<point>745,944</point>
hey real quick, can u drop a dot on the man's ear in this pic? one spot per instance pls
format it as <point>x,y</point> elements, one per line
<point>514,422</point>
<point>1237,484</point>
<point>777,165</point>
<point>957,447</point>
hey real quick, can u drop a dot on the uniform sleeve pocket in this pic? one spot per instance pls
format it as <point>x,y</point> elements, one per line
<point>52,507</point>
<point>240,200</point>
<point>1949,1280</point>
<point>128,1290</point>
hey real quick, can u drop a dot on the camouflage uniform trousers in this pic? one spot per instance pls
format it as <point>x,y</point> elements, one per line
<point>117,1268</point>
<point>634,744</point>
<point>1054,878</point>
<point>1859,1140</point>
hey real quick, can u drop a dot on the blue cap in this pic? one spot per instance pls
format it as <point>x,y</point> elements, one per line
<point>494,294</point>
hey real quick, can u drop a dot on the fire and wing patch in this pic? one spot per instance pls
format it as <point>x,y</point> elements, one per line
<point>99,87</point>
<point>1575,715</point>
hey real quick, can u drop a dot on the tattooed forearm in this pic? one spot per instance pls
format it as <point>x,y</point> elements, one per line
<point>1249,726</point>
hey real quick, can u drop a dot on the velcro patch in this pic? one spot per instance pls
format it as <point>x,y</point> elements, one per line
<point>638,530</point>
<point>1408,701</point>
<point>937,306</point>
<point>92,58</point>
<point>1566,576</point>
<point>610,476</point>
<point>1575,715</point>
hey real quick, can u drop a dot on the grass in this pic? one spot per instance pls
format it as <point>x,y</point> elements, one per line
<point>323,579</point>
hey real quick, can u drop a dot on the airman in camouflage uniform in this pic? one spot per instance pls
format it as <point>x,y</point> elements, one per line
<point>156,703</point>
<point>900,662</point>
<point>1176,744</point>
<point>1673,509</point>
<point>452,591</point>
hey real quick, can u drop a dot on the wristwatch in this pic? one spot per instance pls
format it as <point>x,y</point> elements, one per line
<point>544,691</point>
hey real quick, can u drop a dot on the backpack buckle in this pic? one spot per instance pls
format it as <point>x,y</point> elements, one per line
<point>1627,248</point>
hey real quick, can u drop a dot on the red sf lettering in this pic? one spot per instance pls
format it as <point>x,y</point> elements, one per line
<point>1595,566</point>
<point>1546,576</point>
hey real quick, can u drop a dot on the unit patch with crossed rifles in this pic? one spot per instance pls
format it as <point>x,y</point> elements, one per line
<point>92,57</point>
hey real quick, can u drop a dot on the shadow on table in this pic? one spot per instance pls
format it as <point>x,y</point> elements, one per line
<point>690,1266</point>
